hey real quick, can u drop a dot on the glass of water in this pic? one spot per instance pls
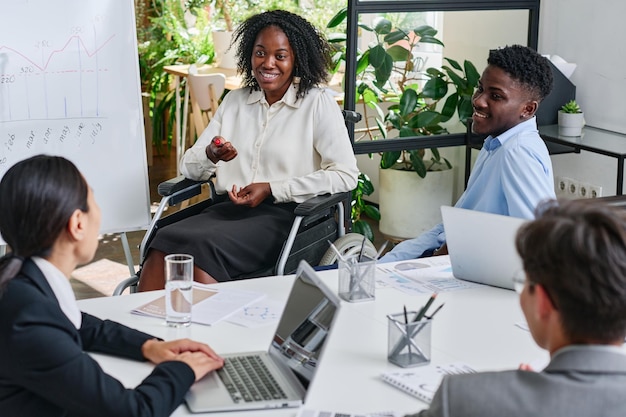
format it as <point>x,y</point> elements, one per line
<point>178,289</point>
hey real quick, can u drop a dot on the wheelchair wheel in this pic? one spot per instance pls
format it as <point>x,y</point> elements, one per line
<point>348,245</point>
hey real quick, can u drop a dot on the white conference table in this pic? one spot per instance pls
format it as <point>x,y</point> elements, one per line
<point>476,326</point>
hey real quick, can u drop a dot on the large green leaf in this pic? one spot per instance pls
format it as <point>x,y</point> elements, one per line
<point>377,55</point>
<point>338,18</point>
<point>364,228</point>
<point>406,131</point>
<point>382,26</point>
<point>454,64</point>
<point>372,212</point>
<point>395,119</point>
<point>396,36</point>
<point>363,62</point>
<point>383,72</point>
<point>425,30</point>
<point>449,107</point>
<point>336,37</point>
<point>408,101</point>
<point>459,82</point>
<point>431,39</point>
<point>435,88</point>
<point>365,184</point>
<point>465,108</point>
<point>399,53</point>
<point>424,119</point>
<point>471,74</point>
<point>418,163</point>
<point>389,159</point>
<point>381,128</point>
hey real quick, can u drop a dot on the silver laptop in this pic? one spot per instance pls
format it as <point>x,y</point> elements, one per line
<point>482,246</point>
<point>279,377</point>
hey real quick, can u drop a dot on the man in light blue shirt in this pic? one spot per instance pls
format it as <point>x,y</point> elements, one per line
<point>513,172</point>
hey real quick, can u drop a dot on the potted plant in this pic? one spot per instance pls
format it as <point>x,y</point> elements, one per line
<point>167,38</point>
<point>408,100</point>
<point>360,206</point>
<point>571,119</point>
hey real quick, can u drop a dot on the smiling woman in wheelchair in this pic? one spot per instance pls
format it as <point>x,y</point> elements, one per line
<point>276,142</point>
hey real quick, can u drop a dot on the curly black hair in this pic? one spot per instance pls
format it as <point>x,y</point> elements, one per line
<point>526,66</point>
<point>312,51</point>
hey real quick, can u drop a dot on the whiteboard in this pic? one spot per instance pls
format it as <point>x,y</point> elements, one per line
<point>69,85</point>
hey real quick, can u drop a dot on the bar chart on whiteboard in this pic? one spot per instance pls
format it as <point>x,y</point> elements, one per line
<point>69,85</point>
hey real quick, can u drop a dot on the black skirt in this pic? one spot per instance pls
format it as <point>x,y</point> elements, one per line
<point>229,241</point>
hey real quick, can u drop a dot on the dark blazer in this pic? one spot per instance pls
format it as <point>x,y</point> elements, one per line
<point>579,382</point>
<point>44,370</point>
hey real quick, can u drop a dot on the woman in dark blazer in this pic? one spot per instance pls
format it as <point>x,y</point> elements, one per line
<point>50,220</point>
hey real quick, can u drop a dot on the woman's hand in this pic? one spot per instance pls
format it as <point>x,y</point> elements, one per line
<point>199,356</point>
<point>220,150</point>
<point>157,351</point>
<point>200,363</point>
<point>251,195</point>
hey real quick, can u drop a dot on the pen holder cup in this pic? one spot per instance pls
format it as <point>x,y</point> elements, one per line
<point>357,279</point>
<point>408,340</point>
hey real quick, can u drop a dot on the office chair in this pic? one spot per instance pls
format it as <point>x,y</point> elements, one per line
<point>318,220</point>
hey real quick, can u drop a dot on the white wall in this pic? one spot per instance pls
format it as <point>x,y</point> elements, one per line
<point>592,35</point>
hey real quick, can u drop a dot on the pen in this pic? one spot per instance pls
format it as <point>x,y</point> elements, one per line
<point>218,140</point>
<point>424,309</point>
<point>435,312</point>
<point>406,330</point>
<point>362,249</point>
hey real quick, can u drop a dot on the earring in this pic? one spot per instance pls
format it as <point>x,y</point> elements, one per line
<point>296,80</point>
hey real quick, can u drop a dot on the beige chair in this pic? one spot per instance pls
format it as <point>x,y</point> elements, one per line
<point>205,92</point>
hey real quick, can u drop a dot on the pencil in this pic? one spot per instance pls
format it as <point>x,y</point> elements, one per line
<point>424,309</point>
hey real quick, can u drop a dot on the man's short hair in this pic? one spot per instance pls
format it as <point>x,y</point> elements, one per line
<point>526,66</point>
<point>577,251</point>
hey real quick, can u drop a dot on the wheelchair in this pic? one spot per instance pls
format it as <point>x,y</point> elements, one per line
<point>318,220</point>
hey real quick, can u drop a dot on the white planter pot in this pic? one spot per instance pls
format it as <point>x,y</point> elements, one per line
<point>571,124</point>
<point>410,205</point>
<point>224,57</point>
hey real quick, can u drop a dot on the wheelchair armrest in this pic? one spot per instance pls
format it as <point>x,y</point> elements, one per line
<point>320,202</point>
<point>174,185</point>
<point>180,189</point>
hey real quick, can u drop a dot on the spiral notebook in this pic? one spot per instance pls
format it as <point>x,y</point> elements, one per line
<point>423,383</point>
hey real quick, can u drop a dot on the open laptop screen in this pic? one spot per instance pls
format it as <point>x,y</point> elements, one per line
<point>305,323</point>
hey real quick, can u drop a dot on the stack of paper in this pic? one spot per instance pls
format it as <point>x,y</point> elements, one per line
<point>210,305</point>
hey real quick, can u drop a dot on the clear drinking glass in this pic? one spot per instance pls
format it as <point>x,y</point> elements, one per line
<point>178,289</point>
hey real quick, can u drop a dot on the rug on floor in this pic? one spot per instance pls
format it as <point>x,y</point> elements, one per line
<point>98,279</point>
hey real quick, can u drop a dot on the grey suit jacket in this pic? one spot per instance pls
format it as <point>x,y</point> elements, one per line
<point>579,381</point>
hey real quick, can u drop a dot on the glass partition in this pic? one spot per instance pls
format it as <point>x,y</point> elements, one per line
<point>424,41</point>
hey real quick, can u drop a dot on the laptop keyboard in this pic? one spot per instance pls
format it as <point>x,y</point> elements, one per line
<point>248,379</point>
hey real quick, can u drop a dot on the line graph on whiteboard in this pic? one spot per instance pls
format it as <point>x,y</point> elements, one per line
<point>69,85</point>
<point>53,80</point>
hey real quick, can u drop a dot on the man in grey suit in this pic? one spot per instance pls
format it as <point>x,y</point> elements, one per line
<point>573,296</point>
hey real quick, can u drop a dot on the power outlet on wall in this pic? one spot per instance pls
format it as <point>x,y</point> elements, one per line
<point>571,188</point>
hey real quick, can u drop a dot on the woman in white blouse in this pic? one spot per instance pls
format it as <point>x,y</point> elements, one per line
<point>50,220</point>
<point>274,143</point>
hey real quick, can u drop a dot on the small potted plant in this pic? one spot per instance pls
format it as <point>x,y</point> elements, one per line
<point>571,119</point>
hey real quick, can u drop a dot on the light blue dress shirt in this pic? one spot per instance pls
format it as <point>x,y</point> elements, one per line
<point>512,174</point>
